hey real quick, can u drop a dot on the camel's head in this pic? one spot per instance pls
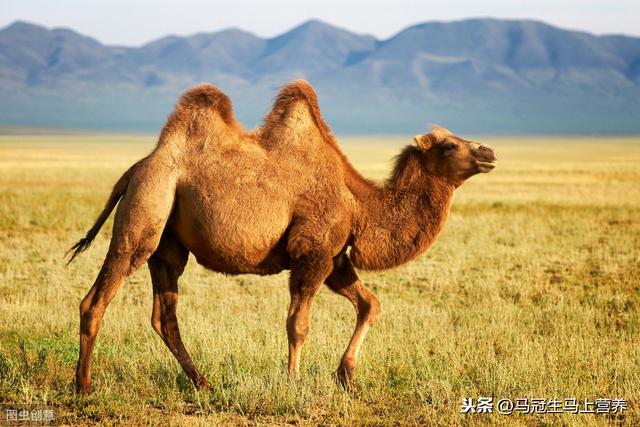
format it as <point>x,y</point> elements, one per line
<point>453,158</point>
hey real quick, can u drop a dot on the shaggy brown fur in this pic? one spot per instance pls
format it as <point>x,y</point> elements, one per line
<point>280,197</point>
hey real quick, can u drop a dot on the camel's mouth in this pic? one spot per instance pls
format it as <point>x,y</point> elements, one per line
<point>486,166</point>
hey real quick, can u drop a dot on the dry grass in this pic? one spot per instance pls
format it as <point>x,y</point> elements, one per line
<point>531,291</point>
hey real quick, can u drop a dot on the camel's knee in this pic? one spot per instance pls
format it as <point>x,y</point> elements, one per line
<point>370,308</point>
<point>85,304</point>
<point>125,261</point>
<point>297,334</point>
<point>89,314</point>
<point>297,331</point>
<point>94,304</point>
<point>138,258</point>
<point>130,249</point>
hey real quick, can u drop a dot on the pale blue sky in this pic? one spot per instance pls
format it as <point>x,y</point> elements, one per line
<point>132,23</point>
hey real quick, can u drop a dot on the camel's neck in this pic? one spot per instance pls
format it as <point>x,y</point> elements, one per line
<point>400,221</point>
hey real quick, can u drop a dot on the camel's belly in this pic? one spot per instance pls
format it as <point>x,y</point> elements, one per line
<point>233,234</point>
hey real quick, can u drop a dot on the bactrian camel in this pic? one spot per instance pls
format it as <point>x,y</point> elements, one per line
<point>282,197</point>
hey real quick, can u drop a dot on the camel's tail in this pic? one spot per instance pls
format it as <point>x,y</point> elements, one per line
<point>116,194</point>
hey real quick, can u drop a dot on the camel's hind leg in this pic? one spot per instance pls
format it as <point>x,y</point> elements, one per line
<point>166,265</point>
<point>138,225</point>
<point>92,309</point>
<point>344,281</point>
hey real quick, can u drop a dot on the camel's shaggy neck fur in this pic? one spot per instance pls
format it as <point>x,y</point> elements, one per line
<point>395,222</point>
<point>400,220</point>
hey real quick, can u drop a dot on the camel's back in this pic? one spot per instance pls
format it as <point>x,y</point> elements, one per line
<point>292,152</point>
<point>238,192</point>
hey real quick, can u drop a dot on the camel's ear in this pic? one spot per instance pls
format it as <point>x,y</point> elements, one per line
<point>424,141</point>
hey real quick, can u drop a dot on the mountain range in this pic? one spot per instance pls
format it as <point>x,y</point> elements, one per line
<point>476,75</point>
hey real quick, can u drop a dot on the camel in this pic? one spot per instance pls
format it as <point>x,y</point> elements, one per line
<point>281,197</point>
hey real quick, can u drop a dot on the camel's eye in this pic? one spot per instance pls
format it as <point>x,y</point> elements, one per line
<point>449,147</point>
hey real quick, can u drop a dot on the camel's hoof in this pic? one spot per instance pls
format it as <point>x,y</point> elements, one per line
<point>293,375</point>
<point>202,384</point>
<point>344,377</point>
<point>83,389</point>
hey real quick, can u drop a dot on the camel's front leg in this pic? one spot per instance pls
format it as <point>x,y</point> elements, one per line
<point>344,281</point>
<point>308,272</point>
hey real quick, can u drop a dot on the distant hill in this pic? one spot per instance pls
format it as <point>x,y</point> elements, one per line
<point>478,75</point>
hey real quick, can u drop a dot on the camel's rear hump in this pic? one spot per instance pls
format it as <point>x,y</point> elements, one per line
<point>295,122</point>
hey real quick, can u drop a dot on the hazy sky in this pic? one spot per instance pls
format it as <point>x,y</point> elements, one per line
<point>129,22</point>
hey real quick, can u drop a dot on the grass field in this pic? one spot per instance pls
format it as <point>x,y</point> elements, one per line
<point>532,291</point>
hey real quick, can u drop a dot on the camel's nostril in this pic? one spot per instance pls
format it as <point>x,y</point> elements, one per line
<point>488,150</point>
<point>485,148</point>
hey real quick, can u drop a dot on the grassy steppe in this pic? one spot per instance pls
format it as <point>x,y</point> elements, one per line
<point>531,291</point>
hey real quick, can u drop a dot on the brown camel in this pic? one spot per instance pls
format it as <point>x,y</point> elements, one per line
<point>280,197</point>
